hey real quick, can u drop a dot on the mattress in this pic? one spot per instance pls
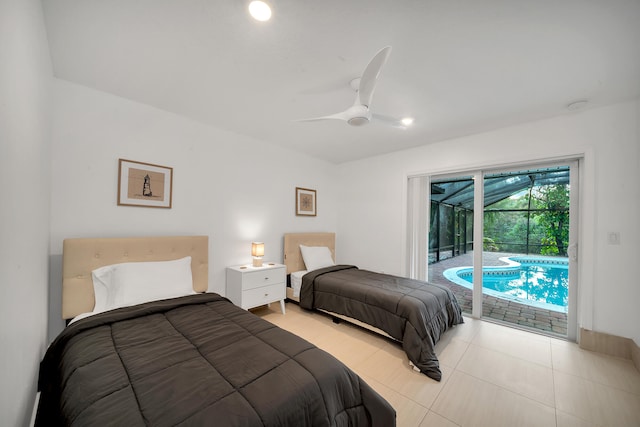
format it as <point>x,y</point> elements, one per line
<point>197,360</point>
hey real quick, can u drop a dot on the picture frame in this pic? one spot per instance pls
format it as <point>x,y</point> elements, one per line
<point>306,202</point>
<point>144,184</point>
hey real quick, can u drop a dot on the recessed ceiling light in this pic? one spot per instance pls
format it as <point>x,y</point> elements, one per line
<point>260,10</point>
<point>407,121</point>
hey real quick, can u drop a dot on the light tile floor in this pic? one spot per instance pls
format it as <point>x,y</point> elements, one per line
<point>492,375</point>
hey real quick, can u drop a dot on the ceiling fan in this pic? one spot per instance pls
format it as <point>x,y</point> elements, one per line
<point>359,113</point>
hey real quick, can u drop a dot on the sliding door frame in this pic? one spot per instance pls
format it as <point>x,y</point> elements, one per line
<point>418,213</point>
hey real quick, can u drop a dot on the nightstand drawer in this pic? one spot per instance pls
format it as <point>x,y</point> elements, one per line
<point>263,295</point>
<point>256,279</point>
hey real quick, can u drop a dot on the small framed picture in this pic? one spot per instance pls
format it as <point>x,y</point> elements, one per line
<point>305,202</point>
<point>144,184</point>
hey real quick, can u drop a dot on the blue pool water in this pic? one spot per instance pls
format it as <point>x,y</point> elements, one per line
<point>539,281</point>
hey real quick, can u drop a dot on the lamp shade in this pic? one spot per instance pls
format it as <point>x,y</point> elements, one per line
<point>257,249</point>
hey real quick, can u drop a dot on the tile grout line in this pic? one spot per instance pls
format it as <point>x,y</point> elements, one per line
<point>553,382</point>
<point>557,355</point>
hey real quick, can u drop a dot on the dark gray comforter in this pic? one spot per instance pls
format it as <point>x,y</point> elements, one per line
<point>197,360</point>
<point>411,311</point>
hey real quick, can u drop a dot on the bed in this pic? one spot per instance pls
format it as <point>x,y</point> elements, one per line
<point>412,312</point>
<point>193,359</point>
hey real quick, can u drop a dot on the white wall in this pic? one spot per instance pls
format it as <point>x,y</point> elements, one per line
<point>230,187</point>
<point>25,84</point>
<point>372,201</point>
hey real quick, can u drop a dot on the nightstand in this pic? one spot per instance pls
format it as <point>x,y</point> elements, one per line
<point>249,286</point>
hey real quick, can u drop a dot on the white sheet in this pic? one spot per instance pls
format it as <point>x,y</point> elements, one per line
<point>82,316</point>
<point>91,313</point>
<point>296,281</point>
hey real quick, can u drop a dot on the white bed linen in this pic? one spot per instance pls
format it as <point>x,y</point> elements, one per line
<point>82,316</point>
<point>91,313</point>
<point>316,257</point>
<point>131,283</point>
<point>296,282</point>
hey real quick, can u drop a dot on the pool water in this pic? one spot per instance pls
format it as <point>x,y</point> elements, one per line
<point>539,281</point>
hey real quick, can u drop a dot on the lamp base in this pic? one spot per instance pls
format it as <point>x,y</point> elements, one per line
<point>257,262</point>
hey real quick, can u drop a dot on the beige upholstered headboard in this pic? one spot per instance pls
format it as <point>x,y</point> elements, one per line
<point>81,256</point>
<point>292,241</point>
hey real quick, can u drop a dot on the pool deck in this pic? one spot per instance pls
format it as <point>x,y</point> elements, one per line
<point>522,315</point>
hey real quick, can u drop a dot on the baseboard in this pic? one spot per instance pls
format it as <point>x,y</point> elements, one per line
<point>635,354</point>
<point>610,344</point>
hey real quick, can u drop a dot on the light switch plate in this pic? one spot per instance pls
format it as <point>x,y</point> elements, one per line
<point>613,237</point>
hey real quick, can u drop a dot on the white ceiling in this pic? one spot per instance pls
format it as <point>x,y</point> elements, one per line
<point>457,66</point>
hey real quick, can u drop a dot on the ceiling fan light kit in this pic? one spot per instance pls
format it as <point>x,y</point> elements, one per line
<point>358,121</point>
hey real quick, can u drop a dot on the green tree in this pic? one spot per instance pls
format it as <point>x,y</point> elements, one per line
<point>554,200</point>
<point>507,227</point>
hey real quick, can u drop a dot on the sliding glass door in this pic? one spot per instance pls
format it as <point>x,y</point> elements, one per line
<point>504,242</point>
<point>525,265</point>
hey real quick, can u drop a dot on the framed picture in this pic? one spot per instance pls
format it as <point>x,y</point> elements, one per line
<point>305,202</point>
<point>144,184</point>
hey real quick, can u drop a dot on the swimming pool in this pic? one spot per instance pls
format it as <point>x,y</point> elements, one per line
<point>538,281</point>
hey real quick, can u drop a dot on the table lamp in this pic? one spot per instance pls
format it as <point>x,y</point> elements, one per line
<point>257,251</point>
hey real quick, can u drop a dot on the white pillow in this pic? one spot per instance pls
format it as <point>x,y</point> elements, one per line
<point>316,257</point>
<point>132,283</point>
<point>101,281</point>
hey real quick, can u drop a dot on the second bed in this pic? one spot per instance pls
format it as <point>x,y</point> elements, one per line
<point>413,312</point>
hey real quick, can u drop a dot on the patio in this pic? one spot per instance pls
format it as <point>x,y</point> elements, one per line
<point>525,316</point>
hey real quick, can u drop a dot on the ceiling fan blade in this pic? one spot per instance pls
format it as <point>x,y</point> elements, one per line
<point>388,120</point>
<point>370,76</point>
<point>338,116</point>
